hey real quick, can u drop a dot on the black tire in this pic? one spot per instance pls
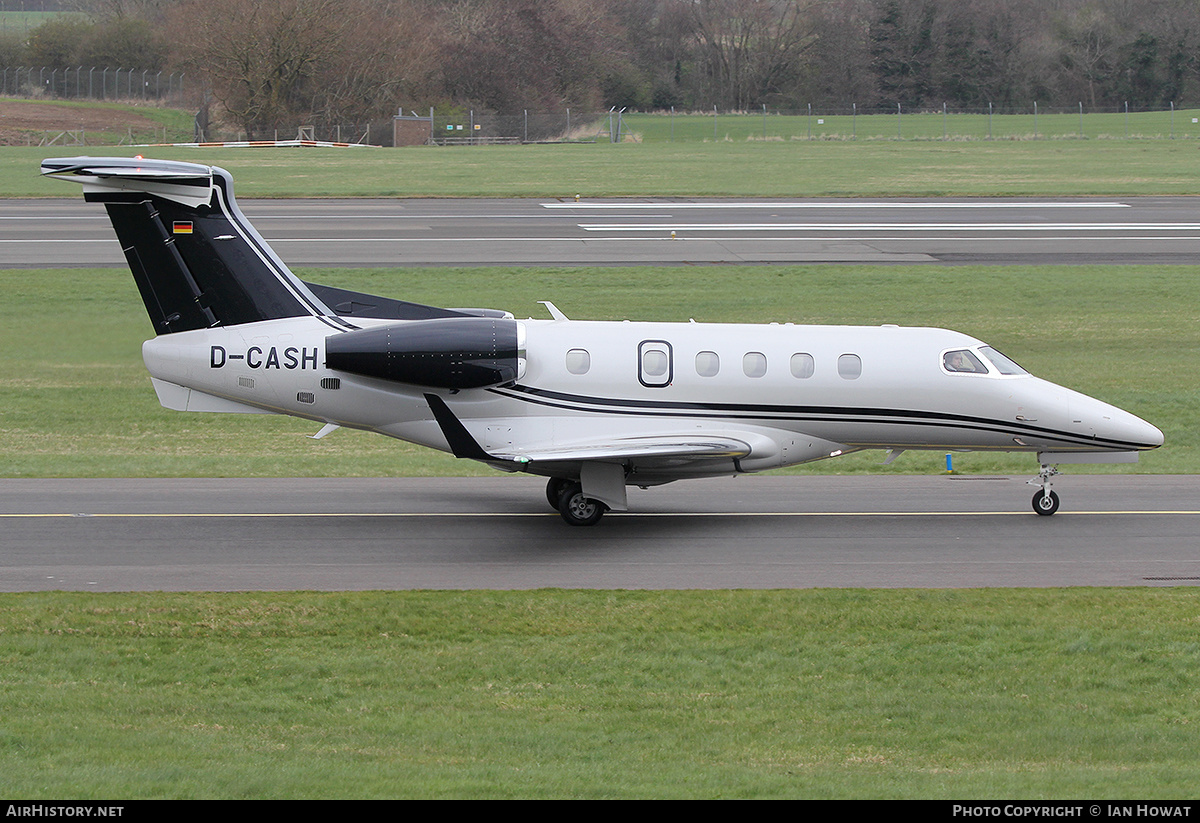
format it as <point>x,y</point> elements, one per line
<point>554,490</point>
<point>577,509</point>
<point>1044,504</point>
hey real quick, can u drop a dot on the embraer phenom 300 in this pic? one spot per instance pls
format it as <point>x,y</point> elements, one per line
<point>593,406</point>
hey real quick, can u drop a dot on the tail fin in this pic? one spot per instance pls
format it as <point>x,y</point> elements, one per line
<point>196,259</point>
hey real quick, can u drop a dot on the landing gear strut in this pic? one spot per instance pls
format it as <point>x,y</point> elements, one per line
<point>1045,502</point>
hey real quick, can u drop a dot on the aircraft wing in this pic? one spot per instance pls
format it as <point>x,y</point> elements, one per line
<point>638,449</point>
<point>643,450</point>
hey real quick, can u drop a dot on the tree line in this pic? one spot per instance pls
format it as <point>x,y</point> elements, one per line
<point>268,65</point>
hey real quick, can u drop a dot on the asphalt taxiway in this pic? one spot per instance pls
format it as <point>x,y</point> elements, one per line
<point>498,533</point>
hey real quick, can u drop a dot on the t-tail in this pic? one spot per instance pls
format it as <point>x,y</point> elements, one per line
<point>197,261</point>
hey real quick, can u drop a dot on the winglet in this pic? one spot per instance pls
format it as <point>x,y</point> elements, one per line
<point>462,444</point>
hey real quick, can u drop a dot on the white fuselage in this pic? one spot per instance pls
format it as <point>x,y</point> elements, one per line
<point>795,393</point>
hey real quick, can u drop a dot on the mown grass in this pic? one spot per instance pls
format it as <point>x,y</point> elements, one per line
<point>910,125</point>
<point>78,403</point>
<point>887,694</point>
<point>743,168</point>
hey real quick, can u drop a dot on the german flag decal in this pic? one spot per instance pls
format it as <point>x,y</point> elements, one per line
<point>181,227</point>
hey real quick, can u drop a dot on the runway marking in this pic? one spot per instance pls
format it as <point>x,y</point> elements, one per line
<point>838,205</point>
<point>844,227</point>
<point>257,515</point>
<point>843,238</point>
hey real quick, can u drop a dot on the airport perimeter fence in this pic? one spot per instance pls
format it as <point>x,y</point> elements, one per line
<point>1032,122</point>
<point>465,126</point>
<point>92,83</point>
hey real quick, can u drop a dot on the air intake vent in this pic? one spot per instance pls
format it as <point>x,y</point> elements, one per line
<point>306,397</point>
<point>246,382</point>
<point>331,383</point>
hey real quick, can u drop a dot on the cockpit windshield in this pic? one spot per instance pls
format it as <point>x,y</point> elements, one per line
<point>1002,363</point>
<point>963,361</point>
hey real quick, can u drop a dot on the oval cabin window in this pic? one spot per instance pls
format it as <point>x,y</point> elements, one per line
<point>754,364</point>
<point>803,365</point>
<point>578,361</point>
<point>850,366</point>
<point>654,362</point>
<point>707,364</point>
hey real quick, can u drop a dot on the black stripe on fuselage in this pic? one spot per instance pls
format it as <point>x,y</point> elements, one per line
<point>815,414</point>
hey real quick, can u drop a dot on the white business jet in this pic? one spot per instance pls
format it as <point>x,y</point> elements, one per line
<point>593,406</point>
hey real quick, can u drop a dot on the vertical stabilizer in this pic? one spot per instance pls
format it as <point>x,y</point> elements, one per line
<point>197,261</point>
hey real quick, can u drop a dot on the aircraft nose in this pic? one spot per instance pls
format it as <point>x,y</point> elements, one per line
<point>1122,429</point>
<point>1149,434</point>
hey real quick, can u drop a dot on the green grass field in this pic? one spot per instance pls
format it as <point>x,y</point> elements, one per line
<point>78,402</point>
<point>736,169</point>
<point>1009,694</point>
<point>921,125</point>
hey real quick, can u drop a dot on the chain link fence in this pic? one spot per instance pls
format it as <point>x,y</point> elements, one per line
<point>92,83</point>
<point>1030,122</point>
<point>465,126</point>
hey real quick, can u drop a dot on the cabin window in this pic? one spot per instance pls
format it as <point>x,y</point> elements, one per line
<point>803,365</point>
<point>707,364</point>
<point>850,366</point>
<point>754,364</point>
<point>654,363</point>
<point>963,361</point>
<point>578,361</point>
<point>1003,364</point>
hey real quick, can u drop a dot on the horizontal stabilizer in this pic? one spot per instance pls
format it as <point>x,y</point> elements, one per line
<point>110,178</point>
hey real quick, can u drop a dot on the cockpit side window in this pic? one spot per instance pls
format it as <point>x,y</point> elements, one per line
<point>1003,364</point>
<point>963,361</point>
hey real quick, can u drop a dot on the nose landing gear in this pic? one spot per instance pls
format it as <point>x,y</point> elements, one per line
<point>1045,502</point>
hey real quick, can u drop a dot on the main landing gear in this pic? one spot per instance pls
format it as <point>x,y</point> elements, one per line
<point>567,497</point>
<point>1045,502</point>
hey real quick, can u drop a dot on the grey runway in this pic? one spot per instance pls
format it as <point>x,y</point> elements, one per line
<point>498,533</point>
<point>418,232</point>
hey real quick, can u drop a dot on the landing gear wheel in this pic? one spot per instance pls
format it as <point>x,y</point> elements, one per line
<point>554,490</point>
<point>1045,503</point>
<point>577,509</point>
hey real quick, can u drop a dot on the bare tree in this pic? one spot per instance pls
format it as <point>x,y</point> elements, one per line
<point>749,51</point>
<point>276,64</point>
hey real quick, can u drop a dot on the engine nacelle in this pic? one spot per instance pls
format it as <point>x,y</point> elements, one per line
<point>444,353</point>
